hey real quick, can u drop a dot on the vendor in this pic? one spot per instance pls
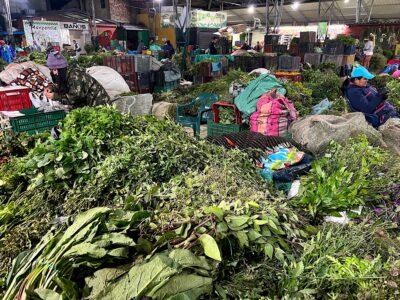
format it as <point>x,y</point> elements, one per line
<point>212,50</point>
<point>73,87</point>
<point>366,99</point>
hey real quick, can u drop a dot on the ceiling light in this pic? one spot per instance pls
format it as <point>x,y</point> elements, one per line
<point>295,5</point>
<point>346,1</point>
<point>251,9</point>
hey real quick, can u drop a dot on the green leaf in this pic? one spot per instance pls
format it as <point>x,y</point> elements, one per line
<point>115,239</point>
<point>210,247</point>
<point>45,294</point>
<point>279,254</point>
<point>243,239</point>
<point>217,211</point>
<point>253,235</point>
<point>236,221</point>
<point>86,249</point>
<point>299,269</point>
<point>222,227</point>
<point>269,250</point>
<point>182,287</point>
<point>69,288</point>
<point>187,259</point>
<point>121,252</point>
<point>60,172</point>
<point>141,279</point>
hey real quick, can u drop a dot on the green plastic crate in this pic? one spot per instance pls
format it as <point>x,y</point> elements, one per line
<point>167,87</point>
<point>37,122</point>
<point>215,129</point>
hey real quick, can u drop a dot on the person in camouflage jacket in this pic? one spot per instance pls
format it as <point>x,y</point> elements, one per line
<point>74,87</point>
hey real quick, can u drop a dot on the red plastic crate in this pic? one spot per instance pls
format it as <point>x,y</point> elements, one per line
<point>14,98</point>
<point>268,48</point>
<point>217,105</point>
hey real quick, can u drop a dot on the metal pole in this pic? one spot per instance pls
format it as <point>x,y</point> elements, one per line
<point>267,17</point>
<point>94,19</point>
<point>358,11</point>
<point>8,17</point>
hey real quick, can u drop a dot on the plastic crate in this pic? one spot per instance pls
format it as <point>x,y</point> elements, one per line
<point>313,59</point>
<point>268,48</point>
<point>217,105</point>
<point>289,63</point>
<point>306,48</point>
<point>308,37</point>
<point>294,50</point>
<point>333,48</point>
<point>271,39</point>
<point>280,49</point>
<point>166,87</point>
<point>14,98</point>
<point>37,122</point>
<point>349,50</point>
<point>215,129</point>
<point>271,62</point>
<point>336,59</point>
<point>295,76</point>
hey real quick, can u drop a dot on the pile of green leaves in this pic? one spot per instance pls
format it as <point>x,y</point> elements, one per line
<point>327,66</point>
<point>323,84</point>
<point>343,179</point>
<point>227,115</point>
<point>394,92</point>
<point>38,57</point>
<point>220,87</point>
<point>172,195</point>
<point>300,96</point>
<point>343,262</point>
<point>378,62</point>
<point>380,82</point>
<point>64,261</point>
<point>346,40</point>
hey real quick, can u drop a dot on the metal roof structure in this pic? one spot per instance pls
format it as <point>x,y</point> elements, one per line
<point>335,11</point>
<point>308,11</point>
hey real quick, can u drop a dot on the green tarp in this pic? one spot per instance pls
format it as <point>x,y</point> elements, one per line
<point>215,58</point>
<point>247,100</point>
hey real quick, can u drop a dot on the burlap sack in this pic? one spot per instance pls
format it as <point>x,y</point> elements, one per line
<point>391,134</point>
<point>316,132</point>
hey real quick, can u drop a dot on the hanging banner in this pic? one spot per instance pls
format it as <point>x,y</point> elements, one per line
<point>42,32</point>
<point>322,29</point>
<point>208,19</point>
<point>168,17</point>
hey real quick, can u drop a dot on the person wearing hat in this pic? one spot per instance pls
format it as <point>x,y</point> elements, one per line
<point>5,52</point>
<point>73,87</point>
<point>366,99</point>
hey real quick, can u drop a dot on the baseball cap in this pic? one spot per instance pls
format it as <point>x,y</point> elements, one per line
<point>361,72</point>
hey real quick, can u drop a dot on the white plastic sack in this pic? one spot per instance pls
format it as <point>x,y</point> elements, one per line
<point>111,80</point>
<point>12,71</point>
<point>138,105</point>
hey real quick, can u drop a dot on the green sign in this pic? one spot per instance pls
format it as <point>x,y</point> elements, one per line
<point>322,28</point>
<point>208,19</point>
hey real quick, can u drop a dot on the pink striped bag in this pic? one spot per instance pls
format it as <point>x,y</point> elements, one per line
<point>273,115</point>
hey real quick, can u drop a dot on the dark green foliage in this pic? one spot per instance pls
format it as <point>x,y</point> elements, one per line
<point>323,84</point>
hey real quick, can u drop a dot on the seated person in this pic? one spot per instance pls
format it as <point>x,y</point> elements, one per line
<point>366,99</point>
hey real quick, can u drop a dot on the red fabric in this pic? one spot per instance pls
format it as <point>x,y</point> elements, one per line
<point>393,62</point>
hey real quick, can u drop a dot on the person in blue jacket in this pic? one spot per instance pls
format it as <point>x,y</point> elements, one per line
<point>5,52</point>
<point>364,98</point>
